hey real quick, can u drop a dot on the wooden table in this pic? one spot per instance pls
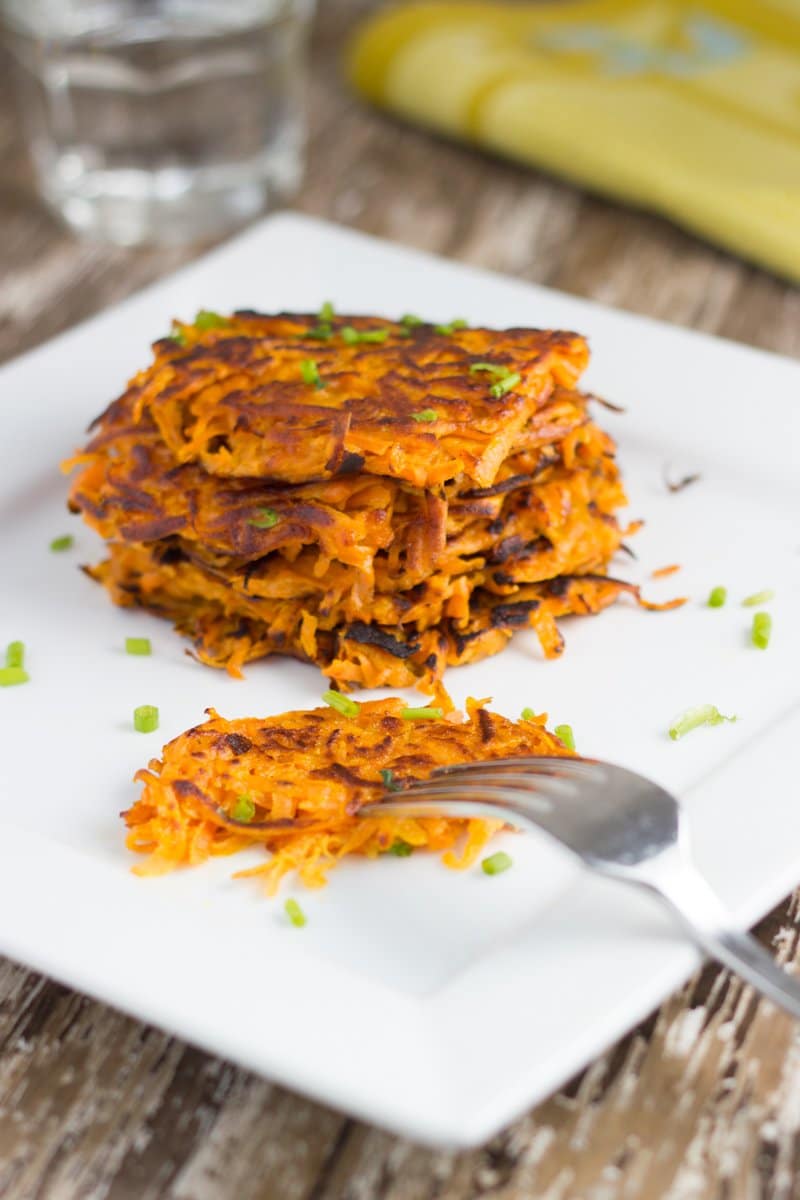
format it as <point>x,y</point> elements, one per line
<point>702,1102</point>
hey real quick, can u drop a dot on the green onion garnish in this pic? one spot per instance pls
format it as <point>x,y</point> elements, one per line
<point>762,629</point>
<point>65,542</point>
<point>387,778</point>
<point>266,519</point>
<point>244,809</point>
<point>178,336</point>
<point>717,597</point>
<point>15,654</point>
<point>421,714</point>
<point>145,718</point>
<point>342,704</point>
<point>206,319</point>
<point>759,598</point>
<point>693,718</point>
<point>326,313</point>
<point>459,323</point>
<point>492,369</point>
<point>427,414</point>
<point>506,384</point>
<point>495,864</point>
<point>295,913</point>
<point>310,372</point>
<point>567,736</point>
<point>322,333</point>
<point>400,849</point>
<point>351,335</point>
<point>527,714</point>
<point>139,646</point>
<point>409,322</point>
<point>11,676</point>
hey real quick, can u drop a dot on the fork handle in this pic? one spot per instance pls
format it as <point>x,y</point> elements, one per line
<point>704,917</point>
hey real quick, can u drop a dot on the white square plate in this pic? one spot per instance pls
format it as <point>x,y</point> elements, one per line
<point>434,1003</point>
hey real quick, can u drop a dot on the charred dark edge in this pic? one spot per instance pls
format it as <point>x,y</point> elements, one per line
<point>373,635</point>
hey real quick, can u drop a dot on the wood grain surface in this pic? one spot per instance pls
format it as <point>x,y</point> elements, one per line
<point>702,1102</point>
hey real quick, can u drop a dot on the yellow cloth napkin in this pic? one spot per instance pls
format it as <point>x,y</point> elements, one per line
<point>691,109</point>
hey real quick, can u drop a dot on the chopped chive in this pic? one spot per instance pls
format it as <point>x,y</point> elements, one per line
<point>759,598</point>
<point>491,368</point>
<point>310,372</point>
<point>427,415</point>
<point>145,718</point>
<point>762,629</point>
<point>567,736</point>
<point>342,704</point>
<point>421,714</point>
<point>267,518</point>
<point>322,333</point>
<point>15,654</point>
<point>11,676</point>
<point>65,542</point>
<point>351,335</point>
<point>206,319</point>
<point>693,718</point>
<point>138,645</point>
<point>717,597</point>
<point>387,778</point>
<point>400,849</point>
<point>409,323</point>
<point>295,913</point>
<point>326,313</point>
<point>495,864</point>
<point>459,323</point>
<point>506,384</point>
<point>244,809</point>
<point>527,714</point>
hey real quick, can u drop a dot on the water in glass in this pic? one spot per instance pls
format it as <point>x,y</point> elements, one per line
<point>161,120</point>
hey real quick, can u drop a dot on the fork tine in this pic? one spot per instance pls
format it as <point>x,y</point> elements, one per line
<point>452,805</point>
<point>579,768</point>
<point>514,805</point>
<point>530,782</point>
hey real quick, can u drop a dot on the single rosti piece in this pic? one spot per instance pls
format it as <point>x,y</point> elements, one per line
<point>292,398</point>
<point>294,784</point>
<point>230,631</point>
<point>130,488</point>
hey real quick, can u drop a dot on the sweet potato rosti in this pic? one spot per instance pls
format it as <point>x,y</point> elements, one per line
<point>380,498</point>
<point>294,783</point>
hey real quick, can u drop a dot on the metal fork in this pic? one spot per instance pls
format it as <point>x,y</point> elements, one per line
<point>619,824</point>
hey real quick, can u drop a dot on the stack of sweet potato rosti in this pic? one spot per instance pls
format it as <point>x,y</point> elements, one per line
<point>382,498</point>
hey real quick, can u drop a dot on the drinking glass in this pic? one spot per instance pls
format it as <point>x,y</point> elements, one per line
<point>161,120</point>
